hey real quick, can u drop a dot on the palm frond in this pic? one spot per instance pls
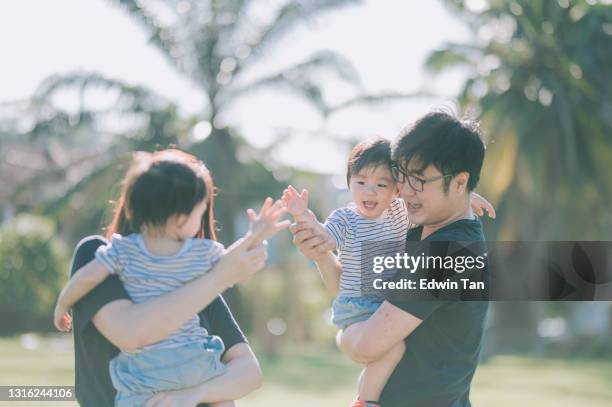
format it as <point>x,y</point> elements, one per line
<point>287,18</point>
<point>450,56</point>
<point>161,36</point>
<point>301,78</point>
<point>379,98</point>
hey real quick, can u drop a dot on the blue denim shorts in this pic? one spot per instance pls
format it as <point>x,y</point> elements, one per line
<point>347,311</point>
<point>137,376</point>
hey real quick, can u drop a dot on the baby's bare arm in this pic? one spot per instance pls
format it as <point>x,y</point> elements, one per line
<point>82,282</point>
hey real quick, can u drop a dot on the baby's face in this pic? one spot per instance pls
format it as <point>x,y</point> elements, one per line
<point>373,190</point>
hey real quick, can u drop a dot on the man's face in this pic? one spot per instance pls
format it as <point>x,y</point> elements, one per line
<point>433,205</point>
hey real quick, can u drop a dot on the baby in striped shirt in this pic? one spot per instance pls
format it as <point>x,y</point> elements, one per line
<point>375,215</point>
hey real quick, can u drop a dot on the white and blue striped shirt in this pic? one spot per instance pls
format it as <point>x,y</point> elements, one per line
<point>352,232</point>
<point>146,276</point>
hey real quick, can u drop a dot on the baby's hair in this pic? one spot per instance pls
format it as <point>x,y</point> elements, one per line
<point>160,185</point>
<point>368,153</point>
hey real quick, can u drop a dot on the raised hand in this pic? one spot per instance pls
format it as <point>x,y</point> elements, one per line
<point>266,224</point>
<point>296,202</point>
<point>479,205</point>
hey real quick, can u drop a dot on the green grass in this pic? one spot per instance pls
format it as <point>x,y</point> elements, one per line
<point>325,378</point>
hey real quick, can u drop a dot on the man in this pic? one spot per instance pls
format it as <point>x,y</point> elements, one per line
<point>438,163</point>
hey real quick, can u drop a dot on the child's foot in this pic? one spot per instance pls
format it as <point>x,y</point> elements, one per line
<point>361,403</point>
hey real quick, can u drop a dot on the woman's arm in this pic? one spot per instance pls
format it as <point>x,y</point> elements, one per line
<point>131,326</point>
<point>243,376</point>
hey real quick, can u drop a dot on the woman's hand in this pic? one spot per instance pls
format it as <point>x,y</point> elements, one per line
<point>241,261</point>
<point>175,398</point>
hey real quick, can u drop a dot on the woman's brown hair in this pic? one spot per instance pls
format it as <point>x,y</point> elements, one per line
<point>159,185</point>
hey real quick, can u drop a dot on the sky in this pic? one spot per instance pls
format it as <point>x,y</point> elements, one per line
<point>386,40</point>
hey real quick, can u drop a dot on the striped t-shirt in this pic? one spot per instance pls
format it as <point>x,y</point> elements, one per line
<point>146,276</point>
<point>352,232</point>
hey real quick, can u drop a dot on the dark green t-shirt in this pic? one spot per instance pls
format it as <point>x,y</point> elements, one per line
<point>442,353</point>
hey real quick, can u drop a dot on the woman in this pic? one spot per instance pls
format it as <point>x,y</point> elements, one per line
<point>106,320</point>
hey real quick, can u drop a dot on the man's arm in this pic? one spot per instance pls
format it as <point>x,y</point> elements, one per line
<point>369,340</point>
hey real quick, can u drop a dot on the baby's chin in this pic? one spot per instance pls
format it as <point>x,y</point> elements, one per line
<point>370,213</point>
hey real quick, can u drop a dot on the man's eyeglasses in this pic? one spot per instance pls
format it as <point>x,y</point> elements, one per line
<point>417,184</point>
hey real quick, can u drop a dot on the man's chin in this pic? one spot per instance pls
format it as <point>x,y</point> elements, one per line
<point>417,218</point>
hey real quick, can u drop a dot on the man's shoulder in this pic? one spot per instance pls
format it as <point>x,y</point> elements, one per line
<point>462,230</point>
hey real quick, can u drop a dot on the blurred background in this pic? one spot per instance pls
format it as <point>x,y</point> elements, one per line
<point>275,93</point>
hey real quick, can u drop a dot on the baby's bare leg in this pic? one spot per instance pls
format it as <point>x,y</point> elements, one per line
<point>374,376</point>
<point>222,404</point>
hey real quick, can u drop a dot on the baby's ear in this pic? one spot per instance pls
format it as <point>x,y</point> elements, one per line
<point>180,220</point>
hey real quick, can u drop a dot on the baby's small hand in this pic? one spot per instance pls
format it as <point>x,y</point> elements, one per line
<point>62,319</point>
<point>266,224</point>
<point>296,203</point>
<point>479,205</point>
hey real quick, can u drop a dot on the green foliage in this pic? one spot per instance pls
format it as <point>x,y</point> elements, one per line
<point>32,270</point>
<point>539,80</point>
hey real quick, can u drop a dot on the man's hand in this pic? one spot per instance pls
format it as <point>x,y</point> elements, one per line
<point>313,241</point>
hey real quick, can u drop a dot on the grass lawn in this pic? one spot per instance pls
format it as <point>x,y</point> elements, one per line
<point>325,378</point>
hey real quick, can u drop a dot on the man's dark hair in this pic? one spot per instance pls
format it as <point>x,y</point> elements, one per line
<point>449,144</point>
<point>369,153</point>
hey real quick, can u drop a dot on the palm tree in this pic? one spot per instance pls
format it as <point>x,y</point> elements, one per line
<point>539,81</point>
<point>215,44</point>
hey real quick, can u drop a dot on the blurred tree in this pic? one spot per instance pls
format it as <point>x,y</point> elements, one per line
<point>539,80</point>
<point>217,45</point>
<point>32,266</point>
